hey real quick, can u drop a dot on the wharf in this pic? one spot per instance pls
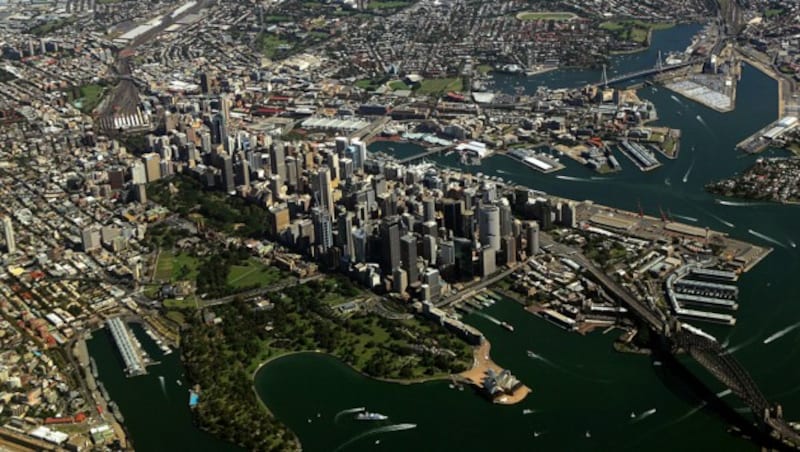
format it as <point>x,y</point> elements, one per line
<point>535,160</point>
<point>131,355</point>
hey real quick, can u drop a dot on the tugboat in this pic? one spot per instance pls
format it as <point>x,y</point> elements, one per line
<point>368,416</point>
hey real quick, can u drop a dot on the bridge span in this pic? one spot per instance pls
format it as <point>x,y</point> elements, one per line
<point>705,350</point>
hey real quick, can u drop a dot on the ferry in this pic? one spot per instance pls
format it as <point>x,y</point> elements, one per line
<point>368,416</point>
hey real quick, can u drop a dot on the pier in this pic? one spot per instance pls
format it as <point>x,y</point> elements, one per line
<point>134,362</point>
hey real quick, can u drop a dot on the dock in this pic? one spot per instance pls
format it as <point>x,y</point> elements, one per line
<point>131,354</point>
<point>639,155</point>
<point>536,160</point>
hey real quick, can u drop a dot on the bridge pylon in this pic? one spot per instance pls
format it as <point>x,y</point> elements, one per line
<point>604,79</point>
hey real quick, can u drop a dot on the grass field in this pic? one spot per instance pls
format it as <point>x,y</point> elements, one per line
<point>171,267</point>
<point>387,4</point>
<point>634,30</point>
<point>269,44</point>
<point>89,97</point>
<point>485,68</point>
<point>440,85</point>
<point>546,15</point>
<point>253,274</point>
<point>397,85</point>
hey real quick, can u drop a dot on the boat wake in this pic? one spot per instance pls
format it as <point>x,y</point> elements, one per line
<point>744,344</point>
<point>672,96</point>
<point>348,411</point>
<point>684,217</point>
<point>735,203</point>
<point>489,318</point>
<point>781,333</point>
<point>503,172</point>
<point>667,182</point>
<point>688,172</point>
<point>599,178</point>
<point>375,431</point>
<point>645,415</point>
<point>766,237</point>
<point>702,121</point>
<point>576,179</point>
<point>163,385</point>
<point>541,358</point>
<point>725,222</point>
<point>722,394</point>
<point>689,413</point>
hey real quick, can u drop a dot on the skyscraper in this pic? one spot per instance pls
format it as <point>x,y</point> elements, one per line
<point>323,229</point>
<point>277,160</point>
<point>532,237</point>
<point>152,166</point>
<point>489,226</point>
<point>390,243</point>
<point>8,230</point>
<point>324,190</point>
<point>226,164</point>
<point>344,229</point>
<point>408,256</point>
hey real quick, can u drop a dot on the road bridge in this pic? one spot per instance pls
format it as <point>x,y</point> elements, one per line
<point>703,349</point>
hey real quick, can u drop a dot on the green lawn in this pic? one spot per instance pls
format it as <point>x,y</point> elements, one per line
<point>268,44</point>
<point>171,267</point>
<point>387,4</point>
<point>485,68</point>
<point>398,85</point>
<point>189,302</point>
<point>364,84</point>
<point>546,15</point>
<point>772,12</point>
<point>634,30</point>
<point>91,95</point>
<point>253,274</point>
<point>440,85</point>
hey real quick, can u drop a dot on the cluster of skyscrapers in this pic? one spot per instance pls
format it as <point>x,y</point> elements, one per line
<point>405,229</point>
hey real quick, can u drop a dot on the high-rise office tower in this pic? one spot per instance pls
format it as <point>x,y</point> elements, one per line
<point>324,190</point>
<point>390,243</point>
<point>226,165</point>
<point>489,226</point>
<point>8,231</point>
<point>532,237</point>
<point>152,166</point>
<point>408,256</point>
<point>323,229</point>
<point>344,229</point>
<point>277,160</point>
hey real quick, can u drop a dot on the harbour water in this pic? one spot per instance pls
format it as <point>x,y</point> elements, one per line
<point>580,384</point>
<point>156,410</point>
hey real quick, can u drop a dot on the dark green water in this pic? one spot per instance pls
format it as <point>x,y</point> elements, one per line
<point>581,384</point>
<point>157,417</point>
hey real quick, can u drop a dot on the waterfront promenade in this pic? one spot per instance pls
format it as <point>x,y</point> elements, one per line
<point>481,365</point>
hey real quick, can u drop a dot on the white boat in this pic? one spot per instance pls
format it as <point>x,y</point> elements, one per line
<point>588,434</point>
<point>633,415</point>
<point>179,382</point>
<point>368,416</point>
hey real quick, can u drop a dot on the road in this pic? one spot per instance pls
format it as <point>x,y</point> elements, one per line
<point>257,292</point>
<point>472,289</point>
